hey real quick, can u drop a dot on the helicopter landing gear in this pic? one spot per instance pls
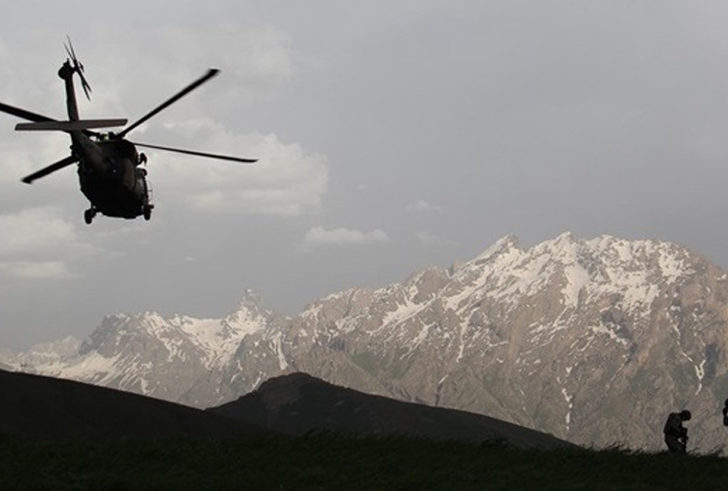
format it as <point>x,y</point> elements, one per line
<point>89,215</point>
<point>147,211</point>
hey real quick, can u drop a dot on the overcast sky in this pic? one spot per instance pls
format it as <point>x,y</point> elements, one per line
<point>392,135</point>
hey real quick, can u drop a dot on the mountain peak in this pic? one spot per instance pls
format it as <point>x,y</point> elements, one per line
<point>298,403</point>
<point>287,381</point>
<point>501,246</point>
<point>251,300</point>
<point>565,239</point>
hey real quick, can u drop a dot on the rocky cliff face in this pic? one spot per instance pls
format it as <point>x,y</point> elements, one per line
<point>594,341</point>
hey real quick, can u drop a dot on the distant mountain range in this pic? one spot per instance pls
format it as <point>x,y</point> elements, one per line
<point>594,341</point>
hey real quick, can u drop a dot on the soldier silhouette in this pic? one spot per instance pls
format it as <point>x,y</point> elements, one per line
<point>676,435</point>
<point>725,413</point>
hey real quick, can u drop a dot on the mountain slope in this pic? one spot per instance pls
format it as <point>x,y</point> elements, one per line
<point>48,407</point>
<point>594,341</point>
<point>298,404</point>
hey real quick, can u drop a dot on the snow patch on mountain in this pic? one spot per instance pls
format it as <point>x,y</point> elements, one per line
<point>586,269</point>
<point>92,367</point>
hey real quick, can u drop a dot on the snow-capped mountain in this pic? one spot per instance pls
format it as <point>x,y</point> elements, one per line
<point>180,359</point>
<point>595,341</point>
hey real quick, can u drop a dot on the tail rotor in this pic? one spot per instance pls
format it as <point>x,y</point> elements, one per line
<point>78,68</point>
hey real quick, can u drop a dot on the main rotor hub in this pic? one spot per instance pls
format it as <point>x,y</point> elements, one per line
<point>66,70</point>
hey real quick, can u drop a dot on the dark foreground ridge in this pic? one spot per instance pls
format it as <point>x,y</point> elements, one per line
<point>329,461</point>
<point>51,407</point>
<point>298,404</point>
<point>50,439</point>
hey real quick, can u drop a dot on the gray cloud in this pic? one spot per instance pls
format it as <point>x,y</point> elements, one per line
<point>431,239</point>
<point>531,118</point>
<point>285,181</point>
<point>320,236</point>
<point>39,270</point>
<point>33,242</point>
<point>422,206</point>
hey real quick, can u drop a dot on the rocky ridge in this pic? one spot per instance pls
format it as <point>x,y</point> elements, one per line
<point>594,341</point>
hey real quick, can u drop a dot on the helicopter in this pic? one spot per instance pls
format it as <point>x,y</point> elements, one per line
<point>110,170</point>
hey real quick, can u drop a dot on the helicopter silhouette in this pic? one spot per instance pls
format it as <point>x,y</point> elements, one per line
<point>110,169</point>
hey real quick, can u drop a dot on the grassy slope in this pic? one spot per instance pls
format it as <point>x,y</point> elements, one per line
<point>334,462</point>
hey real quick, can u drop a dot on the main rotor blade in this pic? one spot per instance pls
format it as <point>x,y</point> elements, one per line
<point>210,73</point>
<point>199,154</point>
<point>51,168</point>
<point>77,125</point>
<point>22,113</point>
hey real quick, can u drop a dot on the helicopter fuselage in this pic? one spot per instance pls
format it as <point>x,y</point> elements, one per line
<point>108,168</point>
<point>111,178</point>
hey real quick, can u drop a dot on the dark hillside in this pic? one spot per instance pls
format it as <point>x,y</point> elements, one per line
<point>50,407</point>
<point>329,461</point>
<point>299,403</point>
<point>50,428</point>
